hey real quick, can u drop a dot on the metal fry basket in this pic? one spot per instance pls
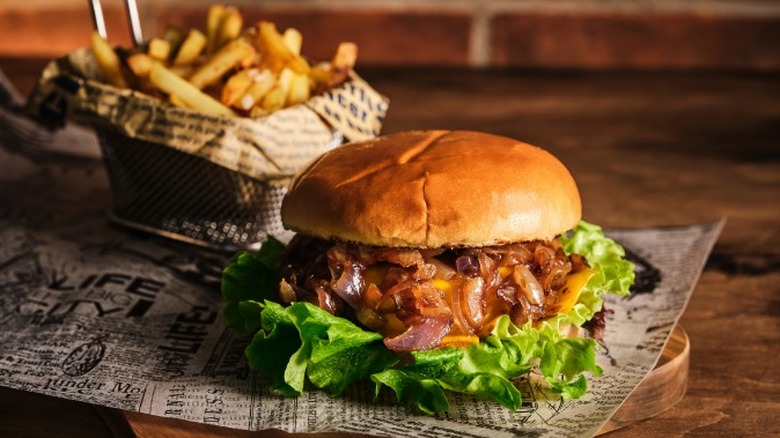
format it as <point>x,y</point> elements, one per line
<point>224,192</point>
<point>161,190</point>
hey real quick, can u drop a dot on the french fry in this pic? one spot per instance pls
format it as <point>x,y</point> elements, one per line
<point>321,73</point>
<point>293,40</point>
<point>323,77</point>
<point>189,95</point>
<point>159,49</point>
<point>176,100</point>
<point>213,20</point>
<point>236,87</point>
<point>327,76</point>
<point>276,52</point>
<point>262,83</point>
<point>226,58</point>
<point>140,64</point>
<point>191,48</point>
<point>273,100</point>
<point>184,70</point>
<point>229,27</point>
<point>345,57</point>
<point>255,71</point>
<point>284,80</point>
<point>258,111</point>
<point>300,89</point>
<point>108,61</point>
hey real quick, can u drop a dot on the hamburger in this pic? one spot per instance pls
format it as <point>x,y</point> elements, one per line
<point>427,261</point>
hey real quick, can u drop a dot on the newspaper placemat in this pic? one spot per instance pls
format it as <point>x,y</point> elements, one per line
<point>92,313</point>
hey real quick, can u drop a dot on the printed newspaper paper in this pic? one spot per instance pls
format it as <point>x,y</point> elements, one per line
<point>92,312</point>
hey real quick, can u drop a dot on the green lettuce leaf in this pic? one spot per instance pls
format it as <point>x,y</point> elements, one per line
<point>615,273</point>
<point>487,369</point>
<point>418,383</point>
<point>302,342</point>
<point>249,277</point>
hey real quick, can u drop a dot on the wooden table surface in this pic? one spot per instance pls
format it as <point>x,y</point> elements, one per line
<point>647,149</point>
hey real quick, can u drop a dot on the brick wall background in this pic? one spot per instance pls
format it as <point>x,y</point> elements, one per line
<point>544,34</point>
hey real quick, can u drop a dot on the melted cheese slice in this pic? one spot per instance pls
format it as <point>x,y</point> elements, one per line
<point>571,292</point>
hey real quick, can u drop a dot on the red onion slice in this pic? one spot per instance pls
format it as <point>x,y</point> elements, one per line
<point>423,336</point>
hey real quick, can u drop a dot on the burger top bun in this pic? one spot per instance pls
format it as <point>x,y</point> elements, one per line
<point>432,189</point>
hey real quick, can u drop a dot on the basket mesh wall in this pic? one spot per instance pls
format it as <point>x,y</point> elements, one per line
<point>158,188</point>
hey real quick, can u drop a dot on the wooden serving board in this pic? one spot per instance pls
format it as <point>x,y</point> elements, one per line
<point>663,387</point>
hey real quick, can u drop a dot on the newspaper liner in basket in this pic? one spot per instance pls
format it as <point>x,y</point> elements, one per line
<point>210,180</point>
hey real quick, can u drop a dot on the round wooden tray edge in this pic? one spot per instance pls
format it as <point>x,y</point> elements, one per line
<point>661,389</point>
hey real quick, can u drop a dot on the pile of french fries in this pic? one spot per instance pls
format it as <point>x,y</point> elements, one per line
<point>229,70</point>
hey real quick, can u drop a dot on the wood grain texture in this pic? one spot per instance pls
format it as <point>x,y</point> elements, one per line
<point>646,150</point>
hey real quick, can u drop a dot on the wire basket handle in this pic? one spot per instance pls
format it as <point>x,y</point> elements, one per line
<point>135,22</point>
<point>97,18</point>
<point>132,15</point>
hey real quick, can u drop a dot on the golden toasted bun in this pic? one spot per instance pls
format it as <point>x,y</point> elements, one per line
<point>431,189</point>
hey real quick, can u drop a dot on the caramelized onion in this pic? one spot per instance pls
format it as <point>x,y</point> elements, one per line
<point>528,285</point>
<point>286,292</point>
<point>487,267</point>
<point>415,297</point>
<point>543,254</point>
<point>555,277</point>
<point>403,257</point>
<point>443,270</point>
<point>326,301</point>
<point>425,335</point>
<point>348,283</point>
<point>515,254</point>
<point>507,292</point>
<point>429,301</point>
<point>369,318</point>
<point>467,265</point>
<point>473,297</point>
<point>425,271</point>
<point>457,312</point>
